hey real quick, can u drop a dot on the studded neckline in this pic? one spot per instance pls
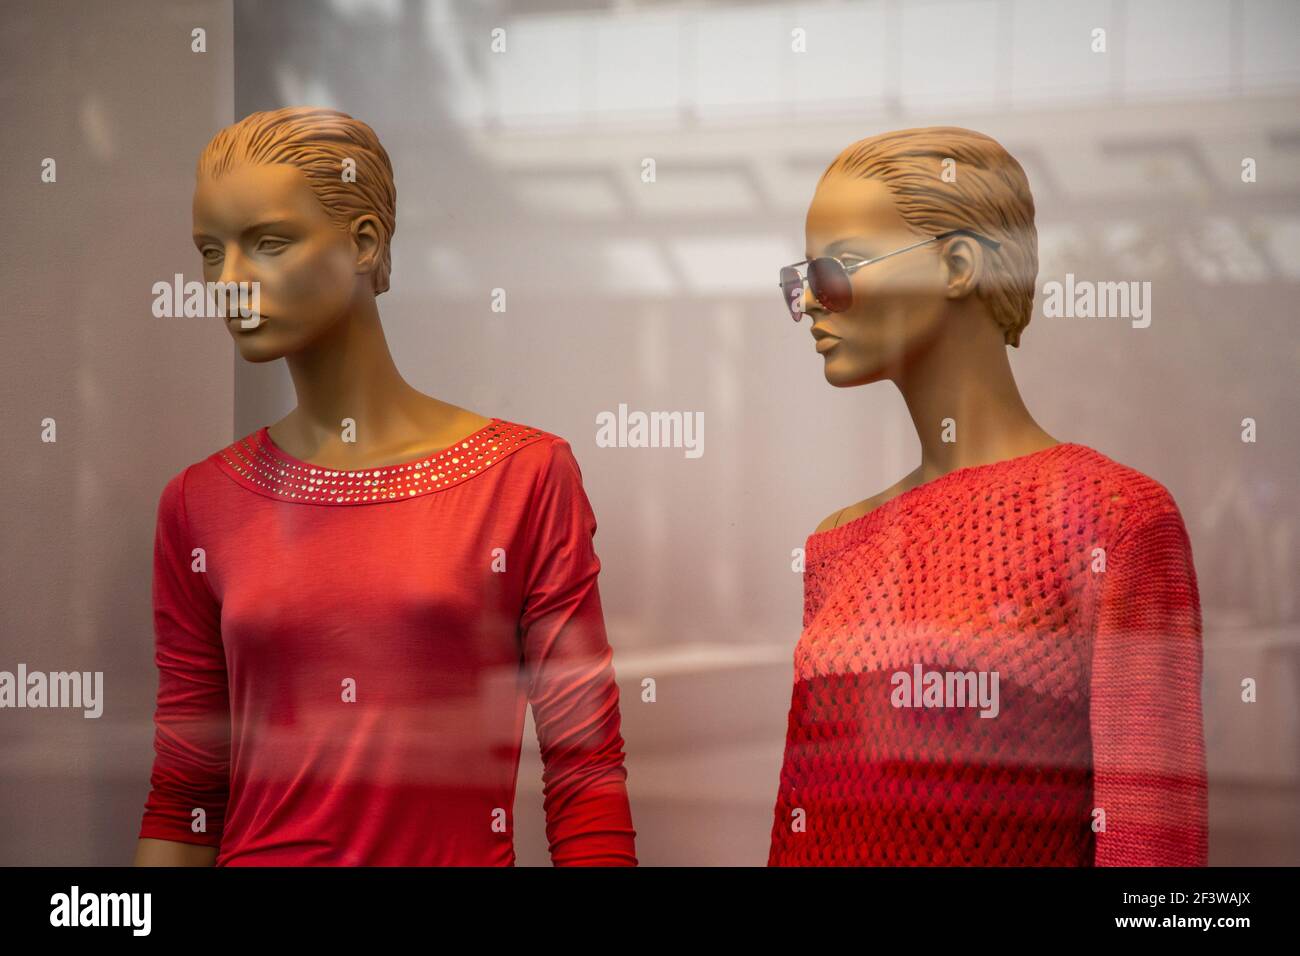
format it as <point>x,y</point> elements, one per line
<point>258,463</point>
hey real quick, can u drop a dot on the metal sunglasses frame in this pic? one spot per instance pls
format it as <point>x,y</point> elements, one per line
<point>852,267</point>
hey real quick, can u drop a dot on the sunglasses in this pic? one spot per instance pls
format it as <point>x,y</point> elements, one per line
<point>829,278</point>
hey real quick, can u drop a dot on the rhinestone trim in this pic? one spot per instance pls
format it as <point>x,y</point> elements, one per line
<point>256,461</point>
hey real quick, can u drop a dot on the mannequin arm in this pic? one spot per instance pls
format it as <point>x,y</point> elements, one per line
<point>1148,743</point>
<point>189,784</point>
<point>150,852</point>
<point>571,683</point>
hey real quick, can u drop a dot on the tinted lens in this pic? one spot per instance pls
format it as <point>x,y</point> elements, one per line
<point>792,290</point>
<point>830,284</point>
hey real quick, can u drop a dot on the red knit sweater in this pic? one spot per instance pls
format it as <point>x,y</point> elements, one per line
<point>345,664</point>
<point>1092,753</point>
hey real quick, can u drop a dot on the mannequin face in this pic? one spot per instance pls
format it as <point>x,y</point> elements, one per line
<point>899,304</point>
<point>263,223</point>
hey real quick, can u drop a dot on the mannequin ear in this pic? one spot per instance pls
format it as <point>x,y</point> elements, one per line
<point>365,237</point>
<point>964,263</point>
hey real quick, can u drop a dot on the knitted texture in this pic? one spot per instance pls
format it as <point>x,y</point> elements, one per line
<point>1063,581</point>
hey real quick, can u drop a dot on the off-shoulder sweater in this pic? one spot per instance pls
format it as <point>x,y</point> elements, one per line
<point>1001,666</point>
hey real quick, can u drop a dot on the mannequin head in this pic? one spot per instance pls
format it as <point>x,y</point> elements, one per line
<point>889,191</point>
<point>275,202</point>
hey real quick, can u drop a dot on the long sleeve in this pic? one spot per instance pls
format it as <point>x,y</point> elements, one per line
<point>569,670</point>
<point>192,716</point>
<point>1147,737</point>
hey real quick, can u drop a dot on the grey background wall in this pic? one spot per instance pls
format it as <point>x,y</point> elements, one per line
<point>522,171</point>
<point>113,93</point>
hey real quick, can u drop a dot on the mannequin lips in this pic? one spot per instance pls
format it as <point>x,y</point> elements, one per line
<point>825,340</point>
<point>235,323</point>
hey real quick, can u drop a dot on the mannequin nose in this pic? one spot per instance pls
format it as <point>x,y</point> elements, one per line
<point>233,267</point>
<point>809,302</point>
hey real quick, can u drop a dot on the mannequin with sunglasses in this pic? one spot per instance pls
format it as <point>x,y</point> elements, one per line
<point>355,606</point>
<point>1039,579</point>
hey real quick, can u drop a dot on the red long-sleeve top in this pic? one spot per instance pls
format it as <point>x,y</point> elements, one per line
<point>1068,575</point>
<point>345,658</point>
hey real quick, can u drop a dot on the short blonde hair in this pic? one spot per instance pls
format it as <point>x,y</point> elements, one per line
<point>317,141</point>
<point>989,194</point>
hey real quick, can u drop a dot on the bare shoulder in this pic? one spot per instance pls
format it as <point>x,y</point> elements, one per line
<point>467,422</point>
<point>830,521</point>
<point>448,424</point>
<point>850,512</point>
<point>854,511</point>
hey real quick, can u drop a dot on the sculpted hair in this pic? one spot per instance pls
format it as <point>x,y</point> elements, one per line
<point>990,195</point>
<point>317,141</point>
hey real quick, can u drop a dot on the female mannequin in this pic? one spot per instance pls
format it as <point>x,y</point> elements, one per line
<point>354,605</point>
<point>1007,562</point>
